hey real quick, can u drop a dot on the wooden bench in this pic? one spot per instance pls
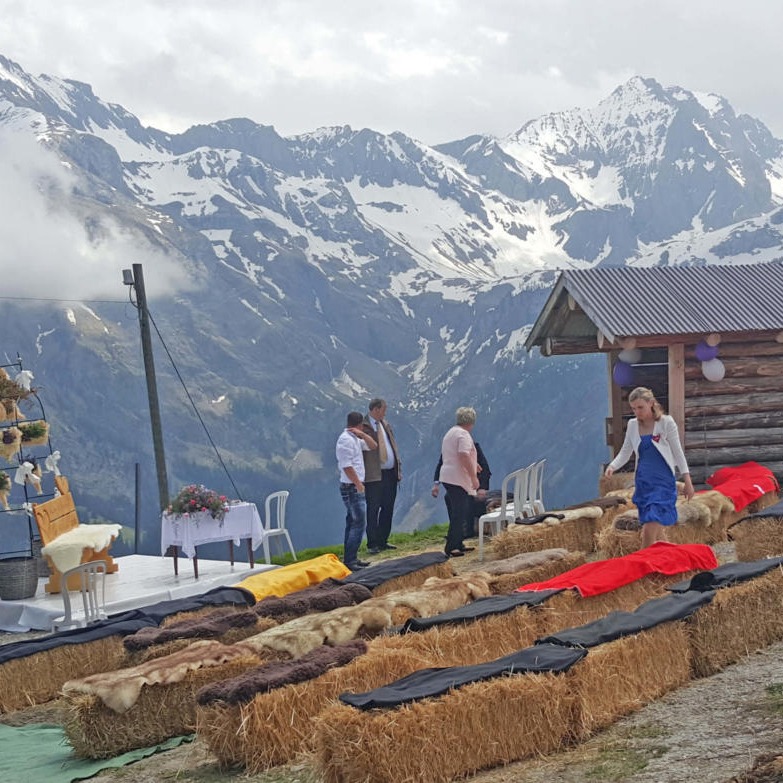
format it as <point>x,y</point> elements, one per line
<point>55,518</point>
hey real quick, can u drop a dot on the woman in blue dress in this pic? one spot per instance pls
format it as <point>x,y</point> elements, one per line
<point>654,439</point>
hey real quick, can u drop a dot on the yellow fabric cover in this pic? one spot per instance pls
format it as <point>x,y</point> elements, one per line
<point>297,576</point>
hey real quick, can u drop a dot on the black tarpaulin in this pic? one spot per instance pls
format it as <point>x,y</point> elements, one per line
<point>427,683</point>
<point>482,607</point>
<point>727,575</point>
<point>218,596</point>
<point>382,572</point>
<point>615,625</point>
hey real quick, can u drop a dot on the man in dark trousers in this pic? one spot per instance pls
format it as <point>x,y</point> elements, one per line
<point>383,472</point>
<point>480,501</point>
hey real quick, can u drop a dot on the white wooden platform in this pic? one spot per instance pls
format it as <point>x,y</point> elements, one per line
<point>141,580</point>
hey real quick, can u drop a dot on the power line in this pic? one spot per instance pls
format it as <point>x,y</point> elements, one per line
<point>193,404</point>
<point>43,299</point>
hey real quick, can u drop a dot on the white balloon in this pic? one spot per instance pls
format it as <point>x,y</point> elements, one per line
<point>713,370</point>
<point>630,356</point>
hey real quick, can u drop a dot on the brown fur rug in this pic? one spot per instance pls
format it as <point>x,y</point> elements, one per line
<point>322,597</point>
<point>265,678</point>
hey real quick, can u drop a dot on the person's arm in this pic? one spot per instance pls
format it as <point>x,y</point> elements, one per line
<point>625,452</point>
<point>673,439</point>
<point>470,467</point>
<point>436,477</point>
<point>355,480</point>
<point>362,435</point>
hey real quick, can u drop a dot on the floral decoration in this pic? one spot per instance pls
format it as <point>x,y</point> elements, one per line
<point>194,498</point>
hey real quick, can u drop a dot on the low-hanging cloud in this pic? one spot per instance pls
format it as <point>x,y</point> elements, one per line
<point>55,245</point>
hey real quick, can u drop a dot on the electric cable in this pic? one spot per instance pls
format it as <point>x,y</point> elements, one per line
<point>193,405</point>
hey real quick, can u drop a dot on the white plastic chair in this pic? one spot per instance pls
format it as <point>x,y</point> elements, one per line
<point>275,527</point>
<point>517,482</point>
<point>92,585</point>
<point>535,498</point>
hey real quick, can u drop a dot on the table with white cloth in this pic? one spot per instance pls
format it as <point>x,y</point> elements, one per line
<point>241,521</point>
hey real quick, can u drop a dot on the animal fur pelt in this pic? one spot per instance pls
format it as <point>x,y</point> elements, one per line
<point>522,562</point>
<point>299,636</point>
<point>322,597</point>
<point>119,690</point>
<point>215,624</point>
<point>265,678</point>
<point>608,501</point>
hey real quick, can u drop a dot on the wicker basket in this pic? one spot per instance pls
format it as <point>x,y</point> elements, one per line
<point>18,578</point>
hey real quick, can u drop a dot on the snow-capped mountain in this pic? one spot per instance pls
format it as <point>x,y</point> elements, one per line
<point>330,267</point>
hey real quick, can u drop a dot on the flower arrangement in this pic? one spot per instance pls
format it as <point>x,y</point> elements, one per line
<point>193,498</point>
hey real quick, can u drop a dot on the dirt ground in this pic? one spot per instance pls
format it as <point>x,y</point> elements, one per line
<point>712,730</point>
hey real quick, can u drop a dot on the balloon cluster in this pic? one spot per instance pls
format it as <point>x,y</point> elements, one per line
<point>706,351</point>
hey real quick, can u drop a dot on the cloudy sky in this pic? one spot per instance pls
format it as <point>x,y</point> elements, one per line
<point>435,69</point>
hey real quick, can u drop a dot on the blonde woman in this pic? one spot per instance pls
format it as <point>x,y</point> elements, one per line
<point>653,437</point>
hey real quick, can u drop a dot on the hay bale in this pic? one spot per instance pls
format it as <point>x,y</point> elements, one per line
<point>620,677</point>
<point>435,740</point>
<point>508,582</point>
<point>277,726</point>
<point>38,678</point>
<point>442,570</point>
<point>757,537</point>
<point>617,481</point>
<point>576,533</point>
<point>694,526</point>
<point>162,711</point>
<point>739,620</point>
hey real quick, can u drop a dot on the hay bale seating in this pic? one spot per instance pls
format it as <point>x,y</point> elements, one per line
<point>575,532</point>
<point>443,570</point>
<point>501,720</point>
<point>440,739</point>
<point>165,705</point>
<point>38,676</point>
<point>504,576</point>
<point>274,727</point>
<point>759,534</point>
<point>702,520</point>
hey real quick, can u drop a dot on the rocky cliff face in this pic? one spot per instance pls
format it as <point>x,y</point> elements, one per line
<point>291,279</point>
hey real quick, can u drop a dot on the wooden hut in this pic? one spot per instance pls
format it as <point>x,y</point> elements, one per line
<point>660,327</point>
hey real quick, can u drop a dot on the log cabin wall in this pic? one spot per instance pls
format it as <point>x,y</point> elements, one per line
<point>739,418</point>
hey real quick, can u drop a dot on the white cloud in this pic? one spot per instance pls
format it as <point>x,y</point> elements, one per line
<point>436,70</point>
<point>48,251</point>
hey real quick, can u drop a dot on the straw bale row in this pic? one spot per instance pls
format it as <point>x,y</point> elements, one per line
<point>502,720</point>
<point>442,570</point>
<point>38,678</point>
<point>702,520</point>
<point>576,533</point>
<point>274,727</point>
<point>490,723</point>
<point>758,537</point>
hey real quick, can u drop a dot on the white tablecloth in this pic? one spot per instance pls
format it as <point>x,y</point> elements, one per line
<point>241,521</point>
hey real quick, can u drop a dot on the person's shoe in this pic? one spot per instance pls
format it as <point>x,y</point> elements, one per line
<point>453,553</point>
<point>467,549</point>
<point>374,550</point>
<point>357,565</point>
<point>388,546</point>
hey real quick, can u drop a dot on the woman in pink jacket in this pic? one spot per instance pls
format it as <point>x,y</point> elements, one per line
<point>654,439</point>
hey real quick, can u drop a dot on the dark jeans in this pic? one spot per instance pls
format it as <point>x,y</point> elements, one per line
<point>380,507</point>
<point>460,507</point>
<point>355,519</point>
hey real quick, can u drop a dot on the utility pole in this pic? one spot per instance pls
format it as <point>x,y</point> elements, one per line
<point>135,278</point>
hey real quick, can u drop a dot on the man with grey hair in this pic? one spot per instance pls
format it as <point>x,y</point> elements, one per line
<point>382,474</point>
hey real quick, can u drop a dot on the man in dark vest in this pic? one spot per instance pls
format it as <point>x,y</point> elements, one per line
<point>382,473</point>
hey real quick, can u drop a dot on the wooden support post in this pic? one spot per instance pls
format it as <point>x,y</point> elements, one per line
<point>677,386</point>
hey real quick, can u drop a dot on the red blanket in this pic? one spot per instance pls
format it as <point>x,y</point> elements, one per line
<point>744,483</point>
<point>605,575</point>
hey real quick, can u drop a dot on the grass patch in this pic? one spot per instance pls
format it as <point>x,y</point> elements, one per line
<point>775,697</point>
<point>617,762</point>
<point>406,543</point>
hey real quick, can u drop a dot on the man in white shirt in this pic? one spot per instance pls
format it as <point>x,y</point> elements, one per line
<point>350,445</point>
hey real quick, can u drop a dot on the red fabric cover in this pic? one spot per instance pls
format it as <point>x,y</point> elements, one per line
<point>605,575</point>
<point>744,483</point>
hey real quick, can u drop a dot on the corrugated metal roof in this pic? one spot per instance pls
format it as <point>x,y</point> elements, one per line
<point>672,300</point>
